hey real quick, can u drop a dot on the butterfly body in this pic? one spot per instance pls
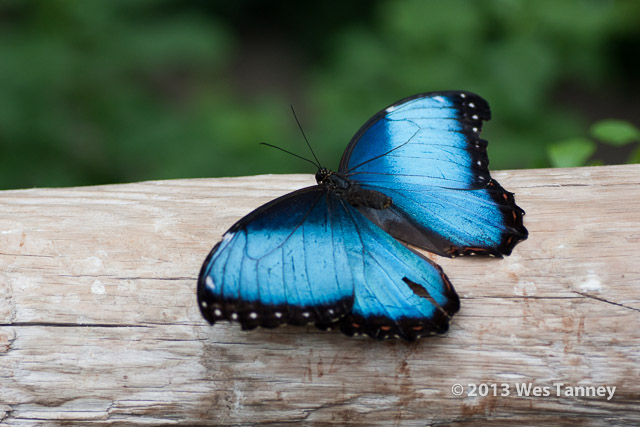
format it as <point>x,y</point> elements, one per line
<point>351,192</point>
<point>335,254</point>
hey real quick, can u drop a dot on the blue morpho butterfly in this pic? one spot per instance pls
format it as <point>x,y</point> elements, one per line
<point>325,254</point>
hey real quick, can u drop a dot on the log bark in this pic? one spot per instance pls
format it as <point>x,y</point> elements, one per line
<point>99,321</point>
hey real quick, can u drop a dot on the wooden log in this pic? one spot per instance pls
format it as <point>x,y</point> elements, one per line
<point>99,321</point>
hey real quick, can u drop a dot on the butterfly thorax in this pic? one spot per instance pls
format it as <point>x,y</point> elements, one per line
<point>351,192</point>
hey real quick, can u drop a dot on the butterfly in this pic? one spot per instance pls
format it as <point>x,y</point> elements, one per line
<point>337,254</point>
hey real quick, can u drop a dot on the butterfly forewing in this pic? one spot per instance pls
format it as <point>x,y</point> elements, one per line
<point>282,263</point>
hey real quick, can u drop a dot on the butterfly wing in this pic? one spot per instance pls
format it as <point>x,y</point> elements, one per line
<point>311,257</point>
<point>397,292</point>
<point>282,263</point>
<point>425,153</point>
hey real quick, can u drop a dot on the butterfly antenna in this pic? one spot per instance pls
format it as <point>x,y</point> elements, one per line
<point>289,152</point>
<point>305,137</point>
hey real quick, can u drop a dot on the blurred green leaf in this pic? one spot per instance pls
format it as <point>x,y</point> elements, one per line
<point>615,132</point>
<point>571,152</point>
<point>112,90</point>
<point>635,156</point>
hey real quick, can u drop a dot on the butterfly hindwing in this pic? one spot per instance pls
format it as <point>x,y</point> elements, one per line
<point>397,292</point>
<point>425,153</point>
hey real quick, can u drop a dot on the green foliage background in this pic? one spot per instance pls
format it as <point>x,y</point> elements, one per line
<point>107,91</point>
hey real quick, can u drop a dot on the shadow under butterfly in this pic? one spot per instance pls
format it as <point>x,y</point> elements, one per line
<point>336,255</point>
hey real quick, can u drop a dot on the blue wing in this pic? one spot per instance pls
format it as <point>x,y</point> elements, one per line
<point>309,257</point>
<point>426,154</point>
<point>397,292</point>
<point>282,263</point>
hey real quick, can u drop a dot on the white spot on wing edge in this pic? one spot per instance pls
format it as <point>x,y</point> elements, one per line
<point>209,282</point>
<point>227,237</point>
<point>392,108</point>
<point>439,99</point>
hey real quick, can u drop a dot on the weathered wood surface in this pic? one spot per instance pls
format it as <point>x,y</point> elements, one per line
<point>99,322</point>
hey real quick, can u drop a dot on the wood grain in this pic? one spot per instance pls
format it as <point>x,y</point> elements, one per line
<point>99,322</point>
